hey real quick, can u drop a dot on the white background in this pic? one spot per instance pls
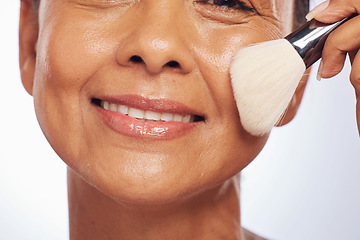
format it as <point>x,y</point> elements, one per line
<point>304,185</point>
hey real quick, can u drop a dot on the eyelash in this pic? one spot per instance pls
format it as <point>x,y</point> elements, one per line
<point>231,4</point>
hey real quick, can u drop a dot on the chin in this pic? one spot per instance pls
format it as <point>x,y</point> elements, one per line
<point>150,182</point>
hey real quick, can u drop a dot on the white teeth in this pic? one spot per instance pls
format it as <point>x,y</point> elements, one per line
<point>123,109</point>
<point>167,117</point>
<point>113,107</point>
<point>152,115</point>
<point>146,116</point>
<point>178,118</point>
<point>106,105</point>
<point>136,113</point>
<point>186,119</point>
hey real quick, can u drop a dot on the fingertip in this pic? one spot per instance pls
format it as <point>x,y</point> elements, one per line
<point>326,74</point>
<point>329,70</point>
<point>335,12</point>
<point>317,10</point>
<point>355,81</point>
<point>333,59</point>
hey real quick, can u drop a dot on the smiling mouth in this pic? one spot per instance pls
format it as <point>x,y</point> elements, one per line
<point>146,115</point>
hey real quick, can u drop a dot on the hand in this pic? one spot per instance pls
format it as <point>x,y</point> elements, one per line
<point>344,40</point>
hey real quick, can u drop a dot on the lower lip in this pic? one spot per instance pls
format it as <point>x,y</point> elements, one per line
<point>133,127</point>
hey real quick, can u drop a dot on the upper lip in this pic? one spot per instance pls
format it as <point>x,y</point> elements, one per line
<point>151,104</point>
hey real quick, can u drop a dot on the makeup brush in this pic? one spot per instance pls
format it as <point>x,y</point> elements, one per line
<point>264,76</point>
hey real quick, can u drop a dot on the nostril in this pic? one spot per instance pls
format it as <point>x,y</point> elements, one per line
<point>136,59</point>
<point>173,64</point>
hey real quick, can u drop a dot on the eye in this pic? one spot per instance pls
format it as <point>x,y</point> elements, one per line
<point>232,4</point>
<point>226,11</point>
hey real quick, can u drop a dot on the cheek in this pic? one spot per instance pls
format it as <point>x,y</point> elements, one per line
<point>218,46</point>
<point>69,54</point>
<point>228,140</point>
<point>226,147</point>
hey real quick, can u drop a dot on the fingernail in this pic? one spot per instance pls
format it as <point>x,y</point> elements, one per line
<point>316,10</point>
<point>318,75</point>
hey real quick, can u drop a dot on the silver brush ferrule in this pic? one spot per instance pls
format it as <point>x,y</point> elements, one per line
<point>310,38</point>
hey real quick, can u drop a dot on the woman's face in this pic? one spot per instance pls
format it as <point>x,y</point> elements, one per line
<point>153,59</point>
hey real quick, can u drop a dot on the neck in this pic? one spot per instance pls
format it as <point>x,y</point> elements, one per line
<point>212,215</point>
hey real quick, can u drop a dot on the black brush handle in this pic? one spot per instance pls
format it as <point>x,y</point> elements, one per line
<point>309,39</point>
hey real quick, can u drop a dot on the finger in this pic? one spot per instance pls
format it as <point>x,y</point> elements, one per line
<point>344,39</point>
<point>337,10</point>
<point>355,74</point>
<point>316,10</point>
<point>352,55</point>
<point>355,81</point>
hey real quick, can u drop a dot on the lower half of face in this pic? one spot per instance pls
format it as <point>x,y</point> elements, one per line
<point>142,107</point>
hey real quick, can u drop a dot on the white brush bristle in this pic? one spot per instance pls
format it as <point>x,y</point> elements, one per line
<point>264,78</point>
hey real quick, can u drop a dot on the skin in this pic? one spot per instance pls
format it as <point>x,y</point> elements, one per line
<point>342,42</point>
<point>146,188</point>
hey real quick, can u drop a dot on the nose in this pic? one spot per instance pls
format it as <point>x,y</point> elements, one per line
<point>157,41</point>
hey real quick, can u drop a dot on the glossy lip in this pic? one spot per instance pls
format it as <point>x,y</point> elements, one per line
<point>151,104</point>
<point>133,127</point>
